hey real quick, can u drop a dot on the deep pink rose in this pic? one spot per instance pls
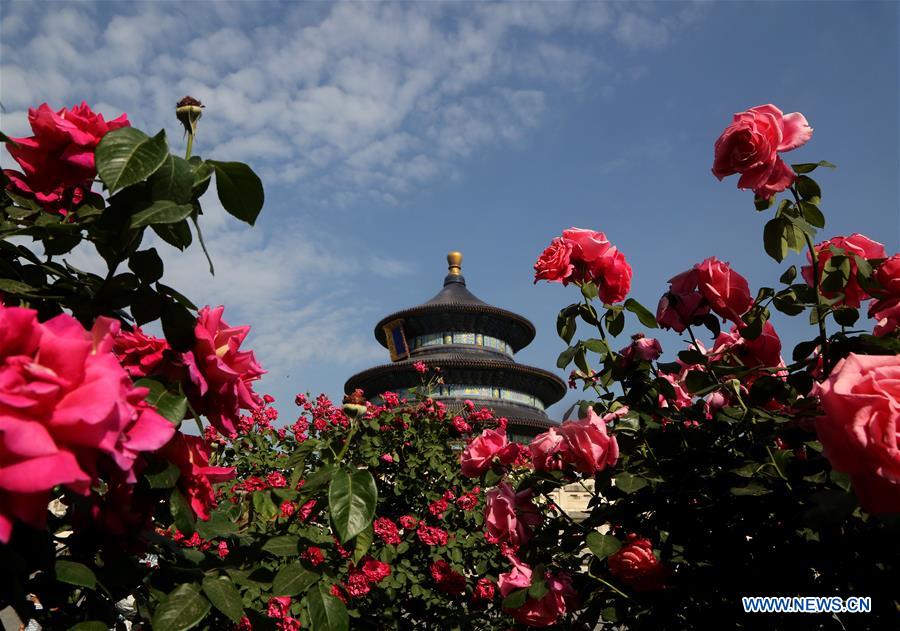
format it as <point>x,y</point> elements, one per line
<point>636,566</point>
<point>763,352</point>
<point>484,591</point>
<point>191,455</point>
<point>589,246</point>
<point>221,374</point>
<point>886,310</point>
<point>67,408</point>
<point>141,355</point>
<point>479,454</point>
<point>278,606</point>
<point>510,516</point>
<point>887,275</point>
<point>57,162</point>
<point>887,316</point>
<point>584,444</point>
<point>854,245</point>
<point>860,430</point>
<point>447,579</point>
<point>538,612</point>
<point>554,264</point>
<point>751,144</point>
<point>726,291</point>
<point>642,349</point>
<point>683,304</point>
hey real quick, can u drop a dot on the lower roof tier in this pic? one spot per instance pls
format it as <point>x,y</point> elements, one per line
<point>525,387</point>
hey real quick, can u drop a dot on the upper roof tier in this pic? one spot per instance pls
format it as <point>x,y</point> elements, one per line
<point>455,308</point>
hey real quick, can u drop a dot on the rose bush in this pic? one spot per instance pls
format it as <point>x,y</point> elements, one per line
<point>741,468</point>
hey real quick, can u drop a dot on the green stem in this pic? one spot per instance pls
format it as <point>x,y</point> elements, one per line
<point>778,469</point>
<point>611,586</point>
<point>817,278</point>
<point>350,434</point>
<point>190,145</point>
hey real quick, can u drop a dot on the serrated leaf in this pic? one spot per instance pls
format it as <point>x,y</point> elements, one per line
<point>293,579</point>
<point>807,167</point>
<point>75,573</point>
<point>173,180</point>
<point>352,496</point>
<point>326,612</point>
<point>808,188</point>
<point>240,190</point>
<point>163,211</point>
<point>184,608</point>
<point>224,596</point>
<point>602,545</point>
<point>812,214</point>
<point>643,314</point>
<point>127,156</point>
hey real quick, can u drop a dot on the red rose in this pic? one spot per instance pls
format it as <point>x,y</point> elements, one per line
<point>683,304</point>
<point>484,591</point>
<point>141,355</point>
<point>447,580</point>
<point>387,530</point>
<point>750,146</point>
<point>190,454</point>
<point>636,566</point>
<point>66,408</point>
<point>726,291</point>
<point>221,374</point>
<point>510,516</point>
<point>431,535</point>
<point>854,245</point>
<point>554,264</point>
<point>278,606</point>
<point>58,160</point>
<point>375,571</point>
<point>860,430</point>
<point>479,454</point>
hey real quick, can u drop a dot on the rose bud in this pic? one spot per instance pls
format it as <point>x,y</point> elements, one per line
<point>189,110</point>
<point>355,404</point>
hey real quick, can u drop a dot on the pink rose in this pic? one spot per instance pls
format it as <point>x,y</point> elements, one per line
<point>479,454</point>
<point>584,444</point>
<point>220,373</point>
<point>538,612</point>
<point>860,432</point>
<point>636,566</point>
<point>581,255</point>
<point>763,352</point>
<point>726,291</point>
<point>58,160</point>
<point>683,304</point>
<point>140,355</point>
<point>750,146</point>
<point>887,316</point>
<point>642,349</point>
<point>191,455</point>
<point>555,264</point>
<point>886,310</point>
<point>854,245</point>
<point>887,275</point>
<point>510,516</point>
<point>67,408</point>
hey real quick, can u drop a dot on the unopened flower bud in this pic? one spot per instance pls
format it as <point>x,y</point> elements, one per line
<point>189,110</point>
<point>355,403</point>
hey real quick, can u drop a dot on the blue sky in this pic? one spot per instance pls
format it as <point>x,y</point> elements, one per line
<point>389,134</point>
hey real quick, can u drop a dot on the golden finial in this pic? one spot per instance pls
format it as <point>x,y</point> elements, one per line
<point>454,263</point>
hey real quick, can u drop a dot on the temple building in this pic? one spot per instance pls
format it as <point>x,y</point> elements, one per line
<point>473,343</point>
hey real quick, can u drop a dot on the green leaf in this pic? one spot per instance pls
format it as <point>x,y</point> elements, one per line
<point>362,543</point>
<point>127,156</point>
<point>581,360</point>
<point>282,546</point>
<point>75,574</point>
<point>565,326</point>
<point>184,608</point>
<point>90,625</point>
<point>147,265</point>
<point>9,286</point>
<point>750,489</point>
<point>846,316</point>
<point>692,356</point>
<point>643,314</point>
<point>565,358</point>
<point>352,496</point>
<point>696,381</point>
<point>178,325</point>
<point>240,190</point>
<point>615,322</point>
<point>163,211</point>
<point>171,405</point>
<point>326,612</point>
<point>219,524</point>
<point>597,346</point>
<point>812,214</point>
<point>167,478</point>
<point>774,239</point>
<point>589,291</point>
<point>628,483</point>
<point>181,511</point>
<point>808,189</point>
<point>762,203</point>
<point>515,599</point>
<point>175,234</point>
<point>202,174</point>
<point>807,167</point>
<point>789,275</point>
<point>602,545</point>
<point>224,596</point>
<point>538,587</point>
<point>293,579</point>
<point>173,180</point>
